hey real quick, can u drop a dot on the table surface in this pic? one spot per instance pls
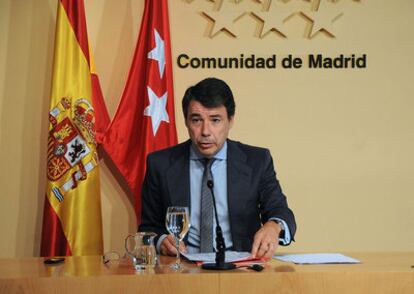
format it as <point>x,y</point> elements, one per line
<point>94,266</point>
<point>378,272</point>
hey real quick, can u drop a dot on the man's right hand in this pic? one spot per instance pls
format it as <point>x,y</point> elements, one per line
<point>167,246</point>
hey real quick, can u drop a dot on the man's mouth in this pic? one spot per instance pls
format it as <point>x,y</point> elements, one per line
<point>205,145</point>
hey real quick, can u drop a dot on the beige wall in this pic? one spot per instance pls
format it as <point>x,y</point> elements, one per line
<point>342,139</point>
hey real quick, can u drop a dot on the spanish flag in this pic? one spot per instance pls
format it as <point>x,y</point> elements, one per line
<point>72,222</point>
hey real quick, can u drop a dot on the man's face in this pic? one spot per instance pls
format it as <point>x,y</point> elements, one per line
<point>208,127</point>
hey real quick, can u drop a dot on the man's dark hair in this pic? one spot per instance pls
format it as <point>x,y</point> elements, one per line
<point>210,92</point>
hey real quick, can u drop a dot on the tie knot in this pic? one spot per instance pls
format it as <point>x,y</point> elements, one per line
<point>208,162</point>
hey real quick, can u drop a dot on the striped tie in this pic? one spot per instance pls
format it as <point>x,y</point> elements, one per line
<point>206,230</point>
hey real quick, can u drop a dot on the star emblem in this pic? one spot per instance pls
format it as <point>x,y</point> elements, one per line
<point>276,14</point>
<point>157,109</point>
<point>224,18</point>
<point>158,53</point>
<point>324,18</point>
<point>320,16</point>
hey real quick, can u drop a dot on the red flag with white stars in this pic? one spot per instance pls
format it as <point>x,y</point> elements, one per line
<point>144,121</point>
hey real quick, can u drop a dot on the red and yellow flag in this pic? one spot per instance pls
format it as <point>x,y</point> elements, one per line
<point>72,223</point>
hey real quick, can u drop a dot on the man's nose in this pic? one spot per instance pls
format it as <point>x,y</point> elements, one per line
<point>205,129</point>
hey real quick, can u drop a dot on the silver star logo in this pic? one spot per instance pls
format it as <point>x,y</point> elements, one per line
<point>156,109</point>
<point>158,53</point>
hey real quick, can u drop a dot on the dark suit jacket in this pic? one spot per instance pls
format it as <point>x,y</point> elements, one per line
<point>254,193</point>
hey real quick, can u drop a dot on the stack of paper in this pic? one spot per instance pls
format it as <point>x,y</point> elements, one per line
<point>238,258</point>
<point>316,258</point>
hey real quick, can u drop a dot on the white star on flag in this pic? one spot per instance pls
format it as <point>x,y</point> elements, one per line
<point>158,53</point>
<point>157,109</point>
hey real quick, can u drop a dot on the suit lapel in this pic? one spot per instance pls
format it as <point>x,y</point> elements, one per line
<point>238,179</point>
<point>178,176</point>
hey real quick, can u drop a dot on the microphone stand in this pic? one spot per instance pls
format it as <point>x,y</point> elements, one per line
<point>220,263</point>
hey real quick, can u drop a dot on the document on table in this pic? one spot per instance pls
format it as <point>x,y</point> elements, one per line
<point>316,258</point>
<point>231,256</point>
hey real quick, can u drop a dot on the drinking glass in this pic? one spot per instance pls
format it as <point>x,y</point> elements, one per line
<point>177,222</point>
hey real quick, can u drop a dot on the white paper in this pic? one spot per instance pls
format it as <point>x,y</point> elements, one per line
<point>231,256</point>
<point>316,258</point>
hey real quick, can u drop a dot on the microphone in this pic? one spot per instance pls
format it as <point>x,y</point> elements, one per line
<point>220,263</point>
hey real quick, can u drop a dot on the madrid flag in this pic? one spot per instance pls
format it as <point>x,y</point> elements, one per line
<point>72,223</point>
<point>144,121</point>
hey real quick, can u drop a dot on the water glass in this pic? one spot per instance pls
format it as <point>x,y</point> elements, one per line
<point>177,222</point>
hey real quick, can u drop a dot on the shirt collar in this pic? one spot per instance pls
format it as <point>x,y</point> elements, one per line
<point>222,154</point>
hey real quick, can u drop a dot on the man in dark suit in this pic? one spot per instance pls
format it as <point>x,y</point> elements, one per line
<point>252,209</point>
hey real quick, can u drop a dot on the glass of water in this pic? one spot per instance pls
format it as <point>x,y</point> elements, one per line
<point>177,222</point>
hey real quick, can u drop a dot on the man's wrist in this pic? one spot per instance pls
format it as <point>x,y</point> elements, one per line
<point>276,225</point>
<point>284,236</point>
<point>281,225</point>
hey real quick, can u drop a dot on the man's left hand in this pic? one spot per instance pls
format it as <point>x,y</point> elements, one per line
<point>266,240</point>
